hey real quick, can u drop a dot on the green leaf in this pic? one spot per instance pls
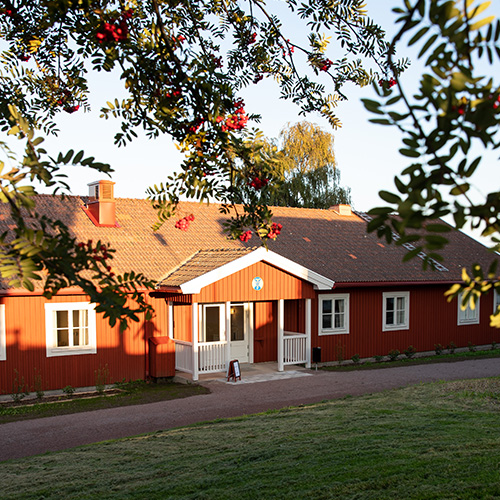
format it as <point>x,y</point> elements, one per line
<point>390,197</point>
<point>411,153</point>
<point>418,35</point>
<point>480,24</point>
<point>461,189</point>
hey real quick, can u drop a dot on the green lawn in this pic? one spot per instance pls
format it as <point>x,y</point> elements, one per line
<point>437,441</point>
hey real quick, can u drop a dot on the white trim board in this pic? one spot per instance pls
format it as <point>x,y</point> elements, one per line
<point>259,255</point>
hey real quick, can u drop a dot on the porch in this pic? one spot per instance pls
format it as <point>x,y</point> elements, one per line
<point>220,330</point>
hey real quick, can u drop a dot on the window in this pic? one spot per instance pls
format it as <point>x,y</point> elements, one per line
<point>70,328</point>
<point>3,343</point>
<point>333,314</point>
<point>496,300</point>
<point>396,313</point>
<point>468,316</point>
<point>212,323</point>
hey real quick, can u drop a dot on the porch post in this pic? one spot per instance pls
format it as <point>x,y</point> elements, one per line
<point>227,334</point>
<point>281,327</point>
<point>308,333</point>
<point>170,327</point>
<point>195,333</point>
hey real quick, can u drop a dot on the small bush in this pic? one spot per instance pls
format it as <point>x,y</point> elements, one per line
<point>410,352</point>
<point>438,349</point>
<point>471,346</point>
<point>68,390</point>
<point>355,359</point>
<point>378,358</point>
<point>393,354</point>
<point>493,346</point>
<point>38,387</point>
<point>451,347</point>
<point>19,388</point>
<point>339,349</point>
<point>101,378</point>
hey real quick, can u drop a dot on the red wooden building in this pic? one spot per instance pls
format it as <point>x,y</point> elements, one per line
<point>323,283</point>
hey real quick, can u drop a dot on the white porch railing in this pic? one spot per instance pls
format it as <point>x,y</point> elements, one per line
<point>212,357</point>
<point>294,348</point>
<point>183,356</point>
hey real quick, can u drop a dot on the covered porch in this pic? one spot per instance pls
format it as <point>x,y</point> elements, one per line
<point>221,333</point>
<point>252,305</point>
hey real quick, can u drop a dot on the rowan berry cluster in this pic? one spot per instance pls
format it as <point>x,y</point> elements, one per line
<point>462,106</point>
<point>24,57</point>
<point>252,39</point>
<point>99,254</point>
<point>274,231</point>
<point>496,104</point>
<point>387,83</point>
<point>183,224</point>
<point>245,236</point>
<point>258,183</point>
<point>325,65</point>
<point>7,12</point>
<point>195,126</point>
<point>64,101</point>
<point>111,32</point>
<point>235,121</point>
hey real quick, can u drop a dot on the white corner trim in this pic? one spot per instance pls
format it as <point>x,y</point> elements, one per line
<point>260,254</point>
<point>3,340</point>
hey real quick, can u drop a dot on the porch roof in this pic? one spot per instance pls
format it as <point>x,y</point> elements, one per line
<point>208,266</point>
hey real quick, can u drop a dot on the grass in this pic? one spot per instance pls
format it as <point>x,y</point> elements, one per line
<point>404,361</point>
<point>432,441</point>
<point>133,393</point>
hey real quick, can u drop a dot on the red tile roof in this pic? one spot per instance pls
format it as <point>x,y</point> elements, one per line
<point>323,241</point>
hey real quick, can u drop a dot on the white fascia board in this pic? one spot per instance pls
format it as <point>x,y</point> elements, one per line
<point>261,254</point>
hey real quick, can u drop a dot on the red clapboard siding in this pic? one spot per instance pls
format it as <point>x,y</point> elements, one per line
<point>433,320</point>
<point>123,354</point>
<point>265,332</point>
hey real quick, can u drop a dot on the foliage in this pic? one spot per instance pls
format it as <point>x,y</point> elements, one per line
<point>471,347</point>
<point>451,347</point>
<point>438,349</point>
<point>101,378</point>
<point>307,169</point>
<point>410,351</point>
<point>356,359</point>
<point>393,354</point>
<point>452,119</point>
<point>19,388</point>
<point>38,385</point>
<point>378,358</point>
<point>68,390</point>
<point>183,66</point>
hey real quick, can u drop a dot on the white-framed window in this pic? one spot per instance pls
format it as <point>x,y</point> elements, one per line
<point>468,316</point>
<point>396,311</point>
<point>70,328</point>
<point>3,340</point>
<point>212,323</point>
<point>333,314</point>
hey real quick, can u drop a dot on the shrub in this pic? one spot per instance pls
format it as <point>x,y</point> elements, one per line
<point>38,386</point>
<point>19,388</point>
<point>101,378</point>
<point>438,349</point>
<point>339,349</point>
<point>393,354</point>
<point>355,359</point>
<point>493,346</point>
<point>378,358</point>
<point>451,347</point>
<point>410,352</point>
<point>68,390</point>
<point>471,346</point>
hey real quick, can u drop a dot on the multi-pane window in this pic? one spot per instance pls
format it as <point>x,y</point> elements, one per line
<point>468,316</point>
<point>333,314</point>
<point>70,328</point>
<point>396,311</point>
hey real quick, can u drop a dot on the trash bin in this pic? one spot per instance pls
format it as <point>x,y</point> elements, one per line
<point>316,355</point>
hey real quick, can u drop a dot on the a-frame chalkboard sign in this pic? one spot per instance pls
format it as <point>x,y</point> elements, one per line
<point>234,371</point>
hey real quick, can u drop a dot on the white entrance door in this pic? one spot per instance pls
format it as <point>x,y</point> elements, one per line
<point>240,332</point>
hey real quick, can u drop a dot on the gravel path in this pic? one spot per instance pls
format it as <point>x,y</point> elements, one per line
<point>32,437</point>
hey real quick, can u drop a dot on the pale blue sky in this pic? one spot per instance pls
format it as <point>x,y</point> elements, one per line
<point>367,154</point>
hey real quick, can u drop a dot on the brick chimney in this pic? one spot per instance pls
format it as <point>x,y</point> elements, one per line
<point>342,209</point>
<point>101,204</point>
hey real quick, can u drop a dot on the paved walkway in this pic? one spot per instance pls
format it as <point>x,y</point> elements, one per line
<point>32,437</point>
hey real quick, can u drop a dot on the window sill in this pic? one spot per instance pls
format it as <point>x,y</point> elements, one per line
<point>70,351</point>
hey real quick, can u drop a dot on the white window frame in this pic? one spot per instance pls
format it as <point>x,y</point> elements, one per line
<point>51,333</point>
<point>3,339</point>
<point>333,298</point>
<point>468,316</point>
<point>202,339</point>
<point>405,325</point>
<point>496,300</point>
